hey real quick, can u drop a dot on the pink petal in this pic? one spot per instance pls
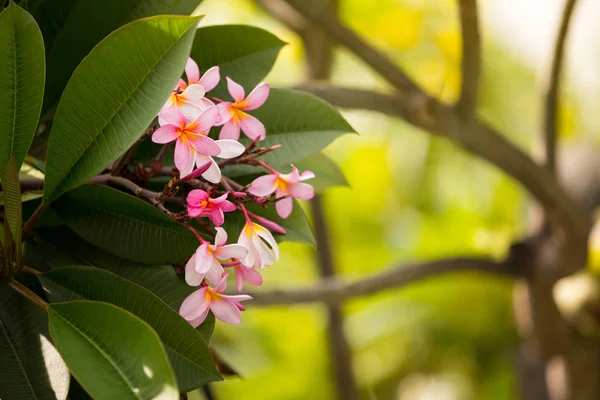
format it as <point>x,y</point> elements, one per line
<point>307,175</point>
<point>204,145</point>
<point>239,278</point>
<point>194,305</point>
<point>219,200</point>
<point>252,127</point>
<point>215,272</point>
<point>231,251</point>
<point>225,114</point>
<point>252,276</point>
<point>222,283</point>
<point>284,207</point>
<point>231,130</point>
<point>191,71</point>
<point>263,186</point>
<point>227,206</point>
<point>191,111</point>
<point>303,191</point>
<point>203,259</point>
<point>216,216</point>
<point>265,234</point>
<point>225,311</point>
<point>292,177</point>
<point>193,94</point>
<point>220,237</point>
<point>213,173</point>
<point>191,276</point>
<point>181,84</point>
<point>195,211</point>
<point>205,120</point>
<point>196,197</point>
<point>165,134</point>
<point>235,90</point>
<point>210,79</point>
<point>205,103</point>
<point>190,167</point>
<point>230,148</point>
<point>198,321</point>
<point>257,97</point>
<point>173,116</point>
<point>183,154</point>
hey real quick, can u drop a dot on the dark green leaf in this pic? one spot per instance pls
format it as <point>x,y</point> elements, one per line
<point>112,353</point>
<point>187,351</point>
<point>12,197</point>
<point>112,97</point>
<point>22,74</point>
<point>244,53</point>
<point>31,366</point>
<point>125,226</point>
<point>72,28</point>
<point>27,172</point>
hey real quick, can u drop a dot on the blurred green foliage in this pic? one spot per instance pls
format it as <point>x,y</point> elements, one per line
<point>410,197</point>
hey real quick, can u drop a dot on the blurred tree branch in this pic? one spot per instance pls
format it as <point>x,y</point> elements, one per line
<point>471,60</point>
<point>334,291</point>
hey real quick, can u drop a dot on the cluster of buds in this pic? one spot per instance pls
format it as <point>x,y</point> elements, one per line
<point>187,119</point>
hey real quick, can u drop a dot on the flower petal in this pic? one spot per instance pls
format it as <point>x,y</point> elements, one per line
<point>173,116</point>
<point>205,103</point>
<point>257,97</point>
<point>263,185</point>
<point>210,79</point>
<point>231,251</point>
<point>303,191</point>
<point>225,113</point>
<point>284,207</point>
<point>251,126</point>
<point>165,134</point>
<point>192,277</point>
<point>194,305</point>
<point>205,120</point>
<point>215,273</point>
<point>292,177</point>
<point>225,311</point>
<point>204,145</point>
<point>190,167</point>
<point>183,154</point>
<point>220,237</point>
<point>216,216</point>
<point>193,94</point>
<point>196,196</point>
<point>198,321</point>
<point>191,71</point>
<point>239,278</point>
<point>230,148</point>
<point>222,283</point>
<point>203,259</point>
<point>265,234</point>
<point>213,173</point>
<point>227,206</point>
<point>231,130</point>
<point>307,175</point>
<point>235,90</point>
<point>252,276</point>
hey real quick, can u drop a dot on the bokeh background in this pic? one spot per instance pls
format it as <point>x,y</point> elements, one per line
<point>414,197</point>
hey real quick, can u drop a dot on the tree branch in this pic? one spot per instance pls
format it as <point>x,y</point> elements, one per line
<point>471,59</point>
<point>333,291</point>
<point>553,88</point>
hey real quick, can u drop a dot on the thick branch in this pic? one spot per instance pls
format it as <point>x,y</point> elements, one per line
<point>333,291</point>
<point>471,59</point>
<point>553,89</point>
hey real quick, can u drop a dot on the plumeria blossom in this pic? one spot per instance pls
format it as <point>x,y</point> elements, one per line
<point>226,308</point>
<point>286,187</point>
<point>244,273</point>
<point>199,203</point>
<point>259,255</point>
<point>189,129</point>
<point>191,93</point>
<point>205,261</point>
<point>233,117</point>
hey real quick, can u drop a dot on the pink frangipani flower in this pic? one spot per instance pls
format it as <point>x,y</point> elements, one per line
<point>286,187</point>
<point>226,308</point>
<point>229,149</point>
<point>244,273</point>
<point>233,117</point>
<point>191,93</point>
<point>199,203</point>
<point>259,254</point>
<point>205,261</point>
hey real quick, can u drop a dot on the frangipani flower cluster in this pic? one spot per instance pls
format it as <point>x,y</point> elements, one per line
<point>187,119</point>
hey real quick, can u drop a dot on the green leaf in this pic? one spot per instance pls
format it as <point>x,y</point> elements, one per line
<point>27,172</point>
<point>31,366</point>
<point>62,247</point>
<point>22,74</point>
<point>244,53</point>
<point>72,28</point>
<point>187,351</point>
<point>112,97</point>
<point>297,228</point>
<point>112,353</point>
<point>300,122</point>
<point>12,195</point>
<point>125,226</point>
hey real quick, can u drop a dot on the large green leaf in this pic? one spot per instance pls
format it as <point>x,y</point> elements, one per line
<point>27,172</point>
<point>187,351</point>
<point>60,247</point>
<point>12,196</point>
<point>22,74</point>
<point>71,28</point>
<point>300,122</point>
<point>111,352</point>
<point>244,53</point>
<point>31,366</point>
<point>125,226</point>
<point>112,97</point>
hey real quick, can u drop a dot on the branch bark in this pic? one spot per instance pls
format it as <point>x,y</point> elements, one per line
<point>471,59</point>
<point>551,114</point>
<point>333,291</point>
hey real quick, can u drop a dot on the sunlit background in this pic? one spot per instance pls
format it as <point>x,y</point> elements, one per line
<point>414,197</point>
